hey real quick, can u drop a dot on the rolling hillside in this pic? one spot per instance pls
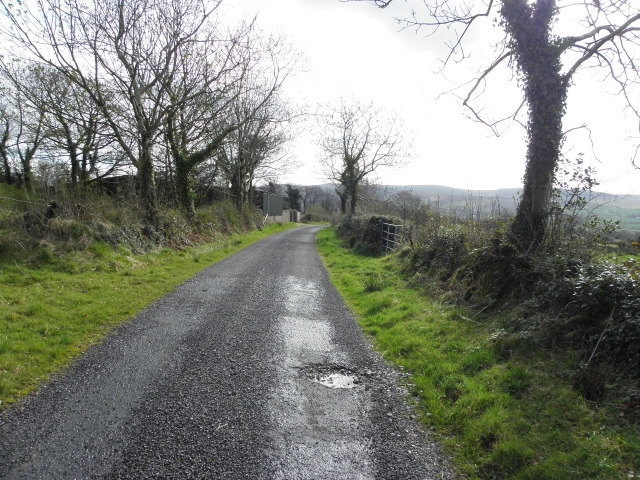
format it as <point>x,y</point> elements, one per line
<point>625,209</point>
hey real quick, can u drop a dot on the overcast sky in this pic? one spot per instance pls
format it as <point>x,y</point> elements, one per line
<point>356,51</point>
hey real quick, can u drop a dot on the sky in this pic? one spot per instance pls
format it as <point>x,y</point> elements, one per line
<point>358,52</point>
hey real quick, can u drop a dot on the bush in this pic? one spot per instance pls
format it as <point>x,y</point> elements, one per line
<point>82,217</point>
<point>604,309</point>
<point>311,218</point>
<point>440,251</point>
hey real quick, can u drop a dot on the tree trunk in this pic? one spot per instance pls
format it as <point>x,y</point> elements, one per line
<point>84,165</point>
<point>8,177</point>
<point>545,138</point>
<point>344,196</point>
<point>184,187</point>
<point>27,171</point>
<point>353,195</point>
<point>147,185</point>
<point>538,57</point>
<point>237,189</point>
<point>75,165</point>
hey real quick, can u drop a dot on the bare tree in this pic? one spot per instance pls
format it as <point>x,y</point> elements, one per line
<point>5,132</point>
<point>22,137</point>
<point>75,127</point>
<point>357,140</point>
<point>319,196</point>
<point>71,122</point>
<point>607,38</point>
<point>236,85</point>
<point>203,92</point>
<point>374,198</point>
<point>310,195</point>
<point>116,49</point>
<point>407,203</point>
<point>261,119</point>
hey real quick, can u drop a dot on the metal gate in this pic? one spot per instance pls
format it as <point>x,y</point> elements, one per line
<point>391,237</point>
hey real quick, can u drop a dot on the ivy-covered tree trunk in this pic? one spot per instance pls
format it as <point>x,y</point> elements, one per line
<point>353,195</point>
<point>75,166</point>
<point>185,162</point>
<point>8,177</point>
<point>351,178</point>
<point>184,187</point>
<point>538,56</point>
<point>238,186</point>
<point>27,167</point>
<point>87,162</point>
<point>147,184</point>
<point>344,197</point>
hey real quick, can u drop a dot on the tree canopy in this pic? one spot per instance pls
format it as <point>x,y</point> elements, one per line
<point>357,140</point>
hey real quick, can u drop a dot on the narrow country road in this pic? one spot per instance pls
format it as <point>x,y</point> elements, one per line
<point>252,369</point>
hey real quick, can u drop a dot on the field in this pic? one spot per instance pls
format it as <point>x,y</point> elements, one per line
<point>625,209</point>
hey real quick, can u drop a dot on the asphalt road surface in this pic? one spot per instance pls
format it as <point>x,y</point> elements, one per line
<point>252,369</point>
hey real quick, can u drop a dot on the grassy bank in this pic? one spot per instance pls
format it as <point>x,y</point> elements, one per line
<point>501,416</point>
<point>55,309</point>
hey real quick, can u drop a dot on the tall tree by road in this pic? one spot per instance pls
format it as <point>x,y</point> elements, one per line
<point>5,135</point>
<point>607,37</point>
<point>357,140</point>
<point>207,95</point>
<point>71,123</point>
<point>23,132</point>
<point>116,48</point>
<point>261,117</point>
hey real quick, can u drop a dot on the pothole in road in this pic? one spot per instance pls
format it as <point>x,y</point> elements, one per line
<point>337,380</point>
<point>332,376</point>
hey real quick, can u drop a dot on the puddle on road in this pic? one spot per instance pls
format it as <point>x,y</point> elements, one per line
<point>337,380</point>
<point>332,376</point>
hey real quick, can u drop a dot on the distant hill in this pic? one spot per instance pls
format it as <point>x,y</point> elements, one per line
<point>448,195</point>
<point>624,208</point>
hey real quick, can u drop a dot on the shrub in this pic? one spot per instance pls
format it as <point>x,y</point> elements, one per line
<point>440,251</point>
<point>593,308</point>
<point>308,218</point>
<point>82,217</point>
<point>605,310</point>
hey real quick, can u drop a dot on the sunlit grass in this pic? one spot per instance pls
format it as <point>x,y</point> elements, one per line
<point>52,312</point>
<point>619,257</point>
<point>516,418</point>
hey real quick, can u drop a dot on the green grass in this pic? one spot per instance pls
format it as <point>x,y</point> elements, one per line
<point>617,257</point>
<point>516,418</point>
<point>51,312</point>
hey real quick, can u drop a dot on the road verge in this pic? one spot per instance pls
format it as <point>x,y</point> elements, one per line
<point>56,310</point>
<point>508,418</point>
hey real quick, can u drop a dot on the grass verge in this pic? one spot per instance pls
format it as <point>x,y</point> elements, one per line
<point>501,417</point>
<point>52,311</point>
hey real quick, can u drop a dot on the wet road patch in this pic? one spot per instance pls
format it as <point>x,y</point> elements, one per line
<point>334,376</point>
